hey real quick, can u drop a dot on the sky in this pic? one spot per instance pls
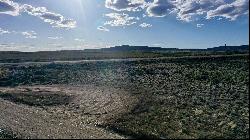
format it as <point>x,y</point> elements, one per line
<point>48,25</point>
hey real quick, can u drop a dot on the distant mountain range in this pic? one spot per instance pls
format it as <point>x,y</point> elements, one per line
<point>241,48</point>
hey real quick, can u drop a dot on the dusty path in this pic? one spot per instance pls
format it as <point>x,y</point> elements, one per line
<point>79,118</point>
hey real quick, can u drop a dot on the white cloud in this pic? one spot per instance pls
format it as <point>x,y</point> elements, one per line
<point>184,10</point>
<point>55,19</point>
<point>8,7</point>
<point>2,31</point>
<point>120,19</point>
<point>66,23</point>
<point>190,10</point>
<point>125,5</point>
<point>159,8</point>
<point>199,25</point>
<point>79,40</point>
<point>55,38</point>
<point>26,34</point>
<point>230,11</point>
<point>145,25</point>
<point>102,28</point>
<point>29,34</point>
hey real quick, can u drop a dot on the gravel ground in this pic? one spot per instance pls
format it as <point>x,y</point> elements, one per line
<point>88,107</point>
<point>188,97</point>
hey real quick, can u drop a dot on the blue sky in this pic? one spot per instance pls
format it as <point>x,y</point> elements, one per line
<point>28,25</point>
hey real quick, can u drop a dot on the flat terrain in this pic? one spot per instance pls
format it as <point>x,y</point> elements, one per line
<point>19,57</point>
<point>182,97</point>
<point>60,111</point>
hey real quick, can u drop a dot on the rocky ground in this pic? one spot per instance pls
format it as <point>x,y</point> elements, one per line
<point>61,111</point>
<point>192,97</point>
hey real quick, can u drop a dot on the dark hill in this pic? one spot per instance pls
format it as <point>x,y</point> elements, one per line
<point>230,48</point>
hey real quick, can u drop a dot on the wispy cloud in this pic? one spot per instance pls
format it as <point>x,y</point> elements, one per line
<point>230,11</point>
<point>199,25</point>
<point>145,25</point>
<point>55,37</point>
<point>29,34</point>
<point>125,5</point>
<point>79,40</point>
<point>2,31</point>
<point>102,28</point>
<point>9,7</point>
<point>55,19</point>
<point>184,10</point>
<point>26,34</point>
<point>191,9</point>
<point>118,19</point>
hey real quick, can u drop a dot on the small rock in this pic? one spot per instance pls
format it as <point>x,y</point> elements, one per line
<point>232,125</point>
<point>221,123</point>
<point>198,112</point>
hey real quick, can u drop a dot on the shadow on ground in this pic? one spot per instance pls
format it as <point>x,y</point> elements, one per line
<point>38,99</point>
